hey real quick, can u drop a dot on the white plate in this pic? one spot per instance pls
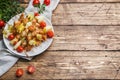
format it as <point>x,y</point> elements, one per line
<point>36,50</point>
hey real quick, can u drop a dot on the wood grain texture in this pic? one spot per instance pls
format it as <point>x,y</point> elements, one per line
<point>86,43</point>
<point>71,65</point>
<point>86,14</point>
<point>86,38</point>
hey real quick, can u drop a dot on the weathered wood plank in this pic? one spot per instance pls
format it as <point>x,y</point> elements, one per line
<point>78,1</point>
<point>86,38</point>
<point>71,65</point>
<point>86,14</point>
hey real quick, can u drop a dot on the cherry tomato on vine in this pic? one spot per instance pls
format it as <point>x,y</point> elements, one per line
<point>36,2</point>
<point>46,2</point>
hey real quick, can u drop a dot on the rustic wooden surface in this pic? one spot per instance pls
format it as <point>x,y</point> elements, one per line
<point>86,43</point>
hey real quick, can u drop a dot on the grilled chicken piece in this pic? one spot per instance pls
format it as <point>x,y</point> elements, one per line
<point>21,17</point>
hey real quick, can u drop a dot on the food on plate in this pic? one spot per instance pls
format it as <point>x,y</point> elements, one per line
<point>28,32</point>
<point>19,72</point>
<point>11,37</point>
<point>20,49</point>
<point>42,24</point>
<point>36,14</point>
<point>50,34</point>
<point>30,69</point>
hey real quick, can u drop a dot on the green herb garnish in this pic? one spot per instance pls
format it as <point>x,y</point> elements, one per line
<point>9,8</point>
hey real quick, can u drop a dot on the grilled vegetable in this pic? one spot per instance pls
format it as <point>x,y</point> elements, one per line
<point>18,44</point>
<point>46,29</point>
<point>32,42</point>
<point>20,28</point>
<point>39,18</point>
<point>15,40</point>
<point>30,16</point>
<point>39,36</point>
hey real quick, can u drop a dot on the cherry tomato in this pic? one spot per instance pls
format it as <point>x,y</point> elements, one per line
<point>19,72</point>
<point>36,14</point>
<point>42,24</point>
<point>2,24</point>
<point>50,34</point>
<point>36,2</point>
<point>11,37</point>
<point>15,43</point>
<point>46,2</point>
<point>20,49</point>
<point>30,69</point>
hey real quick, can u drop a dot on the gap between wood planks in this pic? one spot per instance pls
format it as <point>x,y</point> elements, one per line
<point>80,1</point>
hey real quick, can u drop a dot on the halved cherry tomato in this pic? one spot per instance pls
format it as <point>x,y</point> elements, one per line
<point>46,2</point>
<point>30,69</point>
<point>11,37</point>
<point>50,34</point>
<point>20,49</point>
<point>19,72</point>
<point>42,24</point>
<point>36,2</point>
<point>36,14</point>
<point>2,24</point>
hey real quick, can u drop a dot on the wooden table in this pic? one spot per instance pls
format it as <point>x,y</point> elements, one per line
<point>86,43</point>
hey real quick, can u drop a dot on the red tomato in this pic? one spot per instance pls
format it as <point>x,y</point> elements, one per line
<point>11,37</point>
<point>36,14</point>
<point>42,24</point>
<point>50,34</point>
<point>2,24</point>
<point>19,72</point>
<point>31,69</point>
<point>46,2</point>
<point>15,43</point>
<point>20,49</point>
<point>36,2</point>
